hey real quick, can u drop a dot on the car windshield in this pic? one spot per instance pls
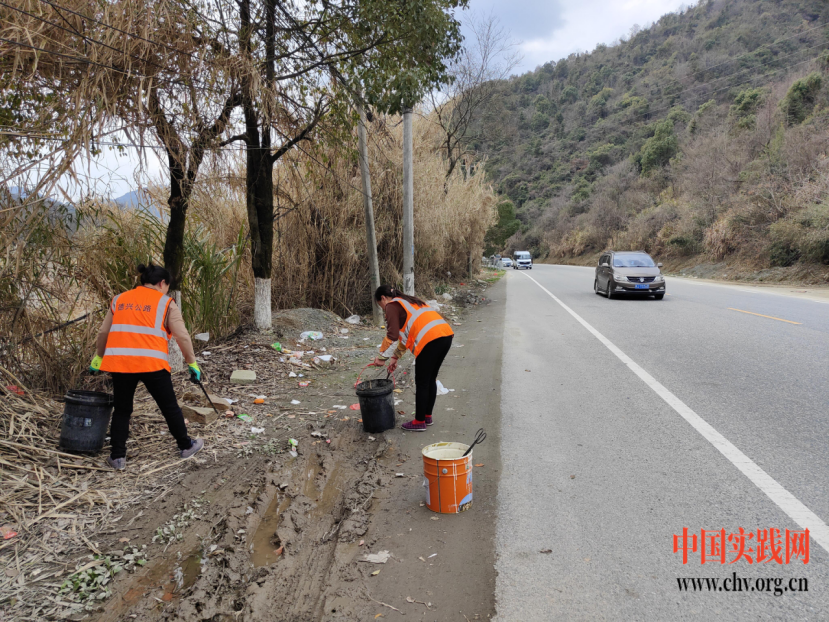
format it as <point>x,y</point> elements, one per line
<point>522,255</point>
<point>637,260</point>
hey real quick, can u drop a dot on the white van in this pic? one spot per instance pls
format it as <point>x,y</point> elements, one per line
<point>522,259</point>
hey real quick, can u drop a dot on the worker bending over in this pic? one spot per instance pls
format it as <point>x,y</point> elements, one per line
<point>420,329</point>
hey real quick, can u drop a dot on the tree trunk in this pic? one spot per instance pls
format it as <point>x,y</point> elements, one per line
<point>371,237</point>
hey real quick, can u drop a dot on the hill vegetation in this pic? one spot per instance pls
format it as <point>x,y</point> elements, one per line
<point>702,136</point>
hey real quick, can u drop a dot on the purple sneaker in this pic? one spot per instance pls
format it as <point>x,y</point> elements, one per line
<point>429,420</point>
<point>414,426</point>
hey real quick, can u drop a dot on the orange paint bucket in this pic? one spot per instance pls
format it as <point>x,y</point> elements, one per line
<point>447,477</point>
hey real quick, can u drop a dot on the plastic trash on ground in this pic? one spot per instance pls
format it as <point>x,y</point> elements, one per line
<point>294,402</point>
<point>202,336</point>
<point>354,319</point>
<point>441,389</point>
<point>257,430</point>
<point>313,335</point>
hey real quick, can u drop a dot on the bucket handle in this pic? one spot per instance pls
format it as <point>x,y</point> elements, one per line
<point>388,375</point>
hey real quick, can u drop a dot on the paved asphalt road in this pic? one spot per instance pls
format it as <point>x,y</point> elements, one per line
<point>600,469</point>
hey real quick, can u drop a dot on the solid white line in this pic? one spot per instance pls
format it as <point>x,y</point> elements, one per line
<point>785,500</point>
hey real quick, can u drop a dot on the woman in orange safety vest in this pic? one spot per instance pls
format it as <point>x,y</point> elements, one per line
<point>132,346</point>
<point>420,329</point>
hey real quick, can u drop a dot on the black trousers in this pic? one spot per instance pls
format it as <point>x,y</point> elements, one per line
<point>160,386</point>
<point>427,366</point>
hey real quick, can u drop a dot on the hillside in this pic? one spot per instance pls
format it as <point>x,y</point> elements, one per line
<point>701,135</point>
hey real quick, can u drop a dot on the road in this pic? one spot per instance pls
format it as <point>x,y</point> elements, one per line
<point>626,420</point>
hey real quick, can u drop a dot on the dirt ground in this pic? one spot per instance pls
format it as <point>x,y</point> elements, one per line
<point>246,531</point>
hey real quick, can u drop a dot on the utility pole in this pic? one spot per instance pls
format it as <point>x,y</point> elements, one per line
<point>408,205</point>
<point>371,237</point>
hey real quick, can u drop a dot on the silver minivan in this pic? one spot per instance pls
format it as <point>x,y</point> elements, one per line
<point>628,272</point>
<point>522,259</point>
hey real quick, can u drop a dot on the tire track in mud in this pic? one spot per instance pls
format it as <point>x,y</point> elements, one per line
<point>315,507</point>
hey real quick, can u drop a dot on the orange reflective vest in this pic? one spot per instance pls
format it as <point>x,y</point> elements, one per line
<point>137,341</point>
<point>423,324</point>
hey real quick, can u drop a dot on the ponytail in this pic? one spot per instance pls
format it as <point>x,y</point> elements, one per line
<point>391,292</point>
<point>153,275</point>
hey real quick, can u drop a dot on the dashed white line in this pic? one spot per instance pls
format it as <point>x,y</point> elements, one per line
<point>785,500</point>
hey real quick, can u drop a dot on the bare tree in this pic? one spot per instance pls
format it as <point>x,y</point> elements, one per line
<point>490,56</point>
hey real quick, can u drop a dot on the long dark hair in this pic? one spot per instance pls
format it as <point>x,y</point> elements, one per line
<point>153,275</point>
<point>391,292</point>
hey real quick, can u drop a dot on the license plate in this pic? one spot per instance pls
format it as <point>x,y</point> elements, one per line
<point>642,286</point>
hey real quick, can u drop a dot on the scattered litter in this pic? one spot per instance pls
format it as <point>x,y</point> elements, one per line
<point>480,464</point>
<point>15,389</point>
<point>365,338</point>
<point>355,407</point>
<point>441,389</point>
<point>572,477</point>
<point>371,438</point>
<point>279,551</point>
<point>326,358</point>
<point>7,532</point>
<point>375,573</point>
<point>432,555</point>
<point>447,296</point>
<point>376,558</point>
<point>293,442</point>
<point>258,400</point>
<point>313,335</point>
<point>328,440</point>
<point>202,336</point>
<point>450,409</point>
<point>354,319</point>
<point>421,559</point>
<point>362,542</point>
<point>396,402</point>
<point>460,345</point>
<point>257,430</point>
<point>339,406</point>
<point>434,518</point>
<point>206,353</point>
<point>293,453</point>
<point>295,402</point>
<point>318,434</point>
<point>343,331</point>
<point>546,551</point>
<point>249,510</point>
<point>304,383</point>
<point>400,475</point>
<point>245,417</point>
<point>292,375</point>
<point>398,390</point>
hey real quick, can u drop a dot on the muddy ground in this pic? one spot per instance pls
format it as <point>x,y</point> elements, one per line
<point>254,533</point>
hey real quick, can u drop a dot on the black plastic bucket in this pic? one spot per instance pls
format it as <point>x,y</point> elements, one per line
<point>85,421</point>
<point>376,405</point>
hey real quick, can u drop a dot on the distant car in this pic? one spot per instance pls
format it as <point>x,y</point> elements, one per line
<point>506,262</point>
<point>628,272</point>
<point>522,259</point>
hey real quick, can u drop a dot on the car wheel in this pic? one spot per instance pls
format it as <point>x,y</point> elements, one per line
<point>596,286</point>
<point>608,291</point>
<point>659,296</point>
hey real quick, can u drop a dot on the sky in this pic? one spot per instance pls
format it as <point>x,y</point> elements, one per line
<point>543,30</point>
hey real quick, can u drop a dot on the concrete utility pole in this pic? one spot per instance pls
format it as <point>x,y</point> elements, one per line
<point>371,236</point>
<point>408,205</point>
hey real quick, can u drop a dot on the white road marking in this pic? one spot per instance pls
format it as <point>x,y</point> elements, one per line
<point>785,500</point>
